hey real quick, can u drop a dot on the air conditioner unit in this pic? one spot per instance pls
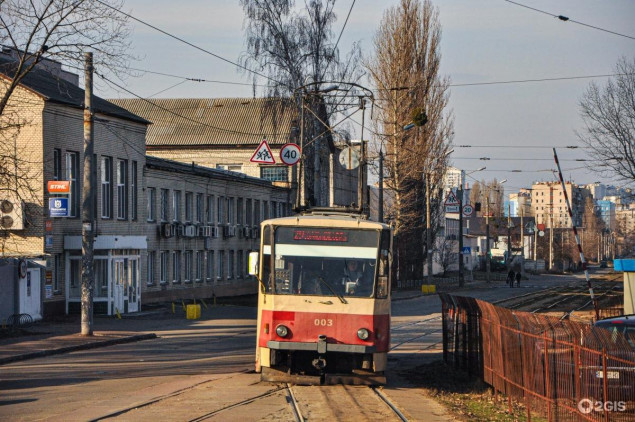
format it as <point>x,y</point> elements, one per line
<point>180,230</point>
<point>190,231</point>
<point>205,231</point>
<point>214,231</point>
<point>246,232</point>
<point>167,230</point>
<point>11,214</point>
<point>255,232</point>
<point>229,231</point>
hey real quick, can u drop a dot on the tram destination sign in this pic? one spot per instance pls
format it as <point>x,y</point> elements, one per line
<point>324,235</point>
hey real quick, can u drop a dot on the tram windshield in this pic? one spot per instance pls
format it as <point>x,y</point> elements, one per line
<point>325,261</point>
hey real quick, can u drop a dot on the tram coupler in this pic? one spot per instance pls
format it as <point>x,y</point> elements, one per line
<point>319,363</point>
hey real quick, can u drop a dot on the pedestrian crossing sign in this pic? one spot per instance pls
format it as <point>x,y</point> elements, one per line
<point>263,154</point>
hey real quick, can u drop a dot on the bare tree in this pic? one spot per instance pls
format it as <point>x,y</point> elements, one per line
<point>62,30</point>
<point>405,70</point>
<point>293,48</point>
<point>609,117</point>
<point>447,253</point>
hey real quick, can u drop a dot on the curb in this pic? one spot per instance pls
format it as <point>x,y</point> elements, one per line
<point>85,346</point>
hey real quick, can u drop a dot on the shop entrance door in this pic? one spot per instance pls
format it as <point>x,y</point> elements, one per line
<point>120,284</point>
<point>134,292</point>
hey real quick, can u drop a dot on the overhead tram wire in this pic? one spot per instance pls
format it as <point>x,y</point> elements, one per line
<point>191,44</point>
<point>338,38</point>
<point>167,110</point>
<point>567,19</point>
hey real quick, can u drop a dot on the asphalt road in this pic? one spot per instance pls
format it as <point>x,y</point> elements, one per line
<point>200,367</point>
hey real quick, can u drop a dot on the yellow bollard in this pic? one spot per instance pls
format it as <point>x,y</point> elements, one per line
<point>424,289</point>
<point>183,304</point>
<point>193,312</point>
<point>432,289</point>
<point>4,323</point>
<point>214,300</point>
<point>173,308</point>
<point>204,304</point>
<point>118,314</point>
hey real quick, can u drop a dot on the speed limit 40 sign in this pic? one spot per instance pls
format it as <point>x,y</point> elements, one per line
<point>290,154</point>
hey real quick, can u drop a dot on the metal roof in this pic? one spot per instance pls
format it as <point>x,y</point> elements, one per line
<point>214,121</point>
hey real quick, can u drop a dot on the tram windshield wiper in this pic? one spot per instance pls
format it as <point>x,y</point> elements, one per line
<point>332,290</point>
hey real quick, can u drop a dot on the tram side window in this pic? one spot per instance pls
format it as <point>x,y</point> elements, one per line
<point>267,276</point>
<point>384,265</point>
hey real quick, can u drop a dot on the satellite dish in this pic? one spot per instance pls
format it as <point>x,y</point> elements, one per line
<point>349,158</point>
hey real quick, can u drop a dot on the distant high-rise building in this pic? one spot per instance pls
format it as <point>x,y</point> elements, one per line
<point>549,207</point>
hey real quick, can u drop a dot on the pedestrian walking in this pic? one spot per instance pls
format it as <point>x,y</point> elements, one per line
<point>510,278</point>
<point>518,276</point>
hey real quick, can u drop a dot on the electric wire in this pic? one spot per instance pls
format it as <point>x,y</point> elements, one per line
<point>567,19</point>
<point>191,44</point>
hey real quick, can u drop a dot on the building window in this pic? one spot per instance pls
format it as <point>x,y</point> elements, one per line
<point>274,209</point>
<point>199,208</point>
<point>275,173</point>
<point>133,190</point>
<point>176,266</point>
<point>230,211</point>
<point>239,211</point>
<point>209,271</point>
<point>75,276</point>
<point>239,264</point>
<point>230,264</point>
<point>122,189</point>
<point>72,175</point>
<point>150,271</point>
<point>257,219</point>
<point>188,206</point>
<point>176,205</point>
<point>219,265</point>
<point>210,209</point>
<point>188,266</point>
<point>165,207</point>
<point>199,265</point>
<point>163,275</point>
<point>230,167</point>
<point>106,187</point>
<point>265,210</point>
<point>219,211</point>
<point>152,204</point>
<point>58,273</point>
<point>57,164</point>
<point>248,212</point>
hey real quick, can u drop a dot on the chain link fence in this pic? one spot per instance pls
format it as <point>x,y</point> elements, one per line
<point>560,369</point>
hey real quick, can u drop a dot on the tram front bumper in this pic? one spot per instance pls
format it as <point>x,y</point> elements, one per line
<point>320,347</point>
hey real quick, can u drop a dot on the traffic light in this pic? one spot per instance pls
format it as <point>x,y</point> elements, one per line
<point>477,206</point>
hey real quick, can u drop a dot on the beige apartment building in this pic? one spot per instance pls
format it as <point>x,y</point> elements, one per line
<point>549,207</point>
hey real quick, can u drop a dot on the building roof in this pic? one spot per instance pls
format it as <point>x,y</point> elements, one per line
<point>215,121</point>
<point>196,170</point>
<point>57,90</point>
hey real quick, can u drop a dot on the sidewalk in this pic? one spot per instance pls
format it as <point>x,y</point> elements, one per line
<point>50,338</point>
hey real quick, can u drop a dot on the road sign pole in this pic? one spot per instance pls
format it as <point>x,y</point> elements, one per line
<point>460,195</point>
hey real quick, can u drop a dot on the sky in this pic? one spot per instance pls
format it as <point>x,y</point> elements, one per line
<point>511,128</point>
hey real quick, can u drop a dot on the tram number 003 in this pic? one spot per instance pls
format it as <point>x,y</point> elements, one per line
<point>323,322</point>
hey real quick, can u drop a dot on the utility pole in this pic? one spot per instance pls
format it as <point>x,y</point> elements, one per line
<point>428,230</point>
<point>460,195</point>
<point>362,161</point>
<point>509,236</point>
<point>487,254</point>
<point>88,208</point>
<point>380,193</point>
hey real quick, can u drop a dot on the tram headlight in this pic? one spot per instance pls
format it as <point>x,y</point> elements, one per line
<point>282,331</point>
<point>363,334</point>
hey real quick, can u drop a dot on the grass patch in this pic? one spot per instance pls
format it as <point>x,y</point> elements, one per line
<point>467,398</point>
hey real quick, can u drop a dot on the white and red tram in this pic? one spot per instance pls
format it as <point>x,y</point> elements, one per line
<point>324,299</point>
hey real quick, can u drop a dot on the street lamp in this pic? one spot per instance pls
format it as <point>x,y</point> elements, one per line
<point>429,247</point>
<point>460,195</point>
<point>488,261</point>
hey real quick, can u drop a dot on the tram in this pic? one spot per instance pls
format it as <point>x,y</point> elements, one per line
<point>324,299</point>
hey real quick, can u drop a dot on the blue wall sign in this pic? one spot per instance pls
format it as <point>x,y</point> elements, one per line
<point>58,207</point>
<point>466,250</point>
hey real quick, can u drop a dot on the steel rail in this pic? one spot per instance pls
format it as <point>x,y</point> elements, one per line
<point>295,406</point>
<point>389,403</point>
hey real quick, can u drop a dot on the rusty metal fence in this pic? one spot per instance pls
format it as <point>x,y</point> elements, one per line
<point>560,369</point>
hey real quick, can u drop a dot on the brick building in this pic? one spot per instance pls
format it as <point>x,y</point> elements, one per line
<point>164,230</point>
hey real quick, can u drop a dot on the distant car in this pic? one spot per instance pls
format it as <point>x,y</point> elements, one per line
<point>603,264</point>
<point>624,324</point>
